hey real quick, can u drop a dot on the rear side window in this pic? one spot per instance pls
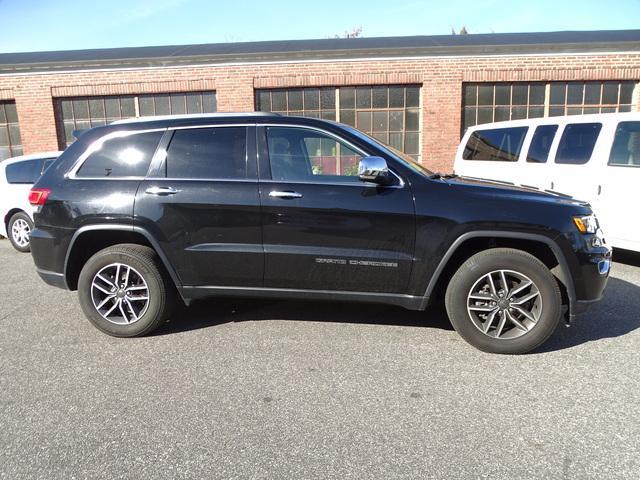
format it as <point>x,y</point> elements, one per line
<point>541,143</point>
<point>119,157</point>
<point>208,153</point>
<point>577,142</point>
<point>625,151</point>
<point>27,171</point>
<point>496,145</point>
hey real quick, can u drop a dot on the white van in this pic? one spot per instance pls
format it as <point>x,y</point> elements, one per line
<point>590,157</point>
<point>17,176</point>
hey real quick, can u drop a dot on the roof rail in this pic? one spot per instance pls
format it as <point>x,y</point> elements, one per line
<point>154,118</point>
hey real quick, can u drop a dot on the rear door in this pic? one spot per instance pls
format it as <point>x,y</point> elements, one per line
<point>323,229</point>
<point>201,204</point>
<point>618,188</point>
<point>575,169</point>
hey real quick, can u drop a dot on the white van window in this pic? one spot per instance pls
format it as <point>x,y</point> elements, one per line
<point>577,142</point>
<point>541,143</point>
<point>496,145</point>
<point>625,151</point>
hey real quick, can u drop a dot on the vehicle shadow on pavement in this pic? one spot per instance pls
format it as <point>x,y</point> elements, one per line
<point>614,316</point>
<point>211,312</point>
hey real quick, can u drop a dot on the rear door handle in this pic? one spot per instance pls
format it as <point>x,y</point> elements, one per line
<point>155,190</point>
<point>285,194</point>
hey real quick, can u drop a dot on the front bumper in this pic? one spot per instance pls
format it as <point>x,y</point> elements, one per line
<point>590,267</point>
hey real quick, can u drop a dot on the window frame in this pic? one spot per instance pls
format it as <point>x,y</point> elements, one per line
<point>72,174</point>
<point>265,160</point>
<point>562,137</point>
<point>158,167</point>
<point>39,161</point>
<point>549,150</point>
<point>517,156</point>
<point>615,131</point>
<point>340,109</point>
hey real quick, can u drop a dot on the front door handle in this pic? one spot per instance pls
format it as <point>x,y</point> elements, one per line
<point>285,194</point>
<point>155,190</point>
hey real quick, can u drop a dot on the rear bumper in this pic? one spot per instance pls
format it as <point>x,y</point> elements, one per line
<point>48,249</point>
<point>54,279</point>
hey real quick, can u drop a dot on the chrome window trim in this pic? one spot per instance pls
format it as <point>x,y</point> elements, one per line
<point>72,174</point>
<point>341,140</point>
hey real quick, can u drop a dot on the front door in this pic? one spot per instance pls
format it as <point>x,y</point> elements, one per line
<point>202,206</point>
<point>323,229</point>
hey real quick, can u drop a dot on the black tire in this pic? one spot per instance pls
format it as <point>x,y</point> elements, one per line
<point>478,267</point>
<point>144,263</point>
<point>18,242</point>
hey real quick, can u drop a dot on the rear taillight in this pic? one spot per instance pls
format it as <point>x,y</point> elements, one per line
<point>37,196</point>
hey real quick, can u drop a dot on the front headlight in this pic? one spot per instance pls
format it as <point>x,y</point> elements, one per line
<point>586,224</point>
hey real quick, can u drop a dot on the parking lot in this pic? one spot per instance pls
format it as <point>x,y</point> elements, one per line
<point>274,389</point>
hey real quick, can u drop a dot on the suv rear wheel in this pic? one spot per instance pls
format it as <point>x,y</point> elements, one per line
<point>19,230</point>
<point>504,300</point>
<point>124,291</point>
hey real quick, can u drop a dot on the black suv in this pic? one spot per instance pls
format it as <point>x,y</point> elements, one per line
<point>139,215</point>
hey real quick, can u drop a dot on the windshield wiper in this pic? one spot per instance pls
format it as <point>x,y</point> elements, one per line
<point>444,176</point>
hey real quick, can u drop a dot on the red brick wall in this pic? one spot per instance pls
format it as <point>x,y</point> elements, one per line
<point>441,79</point>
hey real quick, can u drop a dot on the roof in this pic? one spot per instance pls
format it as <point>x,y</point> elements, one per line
<point>324,49</point>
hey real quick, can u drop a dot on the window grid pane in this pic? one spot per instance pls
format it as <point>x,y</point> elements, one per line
<point>80,113</point>
<point>10,141</point>
<point>389,113</point>
<point>496,102</point>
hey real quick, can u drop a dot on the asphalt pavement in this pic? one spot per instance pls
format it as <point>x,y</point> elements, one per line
<point>249,389</point>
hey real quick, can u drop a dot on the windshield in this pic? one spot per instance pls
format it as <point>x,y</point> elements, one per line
<point>402,157</point>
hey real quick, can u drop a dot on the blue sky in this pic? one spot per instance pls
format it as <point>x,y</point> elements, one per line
<point>34,25</point>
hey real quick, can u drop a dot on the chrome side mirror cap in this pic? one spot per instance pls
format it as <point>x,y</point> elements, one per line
<point>374,169</point>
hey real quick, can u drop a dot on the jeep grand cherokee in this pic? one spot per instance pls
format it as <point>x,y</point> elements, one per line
<point>138,215</point>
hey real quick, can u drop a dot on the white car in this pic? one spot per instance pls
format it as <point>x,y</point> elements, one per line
<point>17,176</point>
<point>590,157</point>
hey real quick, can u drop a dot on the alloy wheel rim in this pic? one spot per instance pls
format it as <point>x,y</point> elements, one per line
<point>504,304</point>
<point>20,231</point>
<point>120,294</point>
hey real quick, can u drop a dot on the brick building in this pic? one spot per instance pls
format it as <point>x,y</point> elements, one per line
<point>415,93</point>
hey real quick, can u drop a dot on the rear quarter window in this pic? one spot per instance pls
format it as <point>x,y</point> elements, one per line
<point>27,171</point>
<point>495,145</point>
<point>577,142</point>
<point>118,157</point>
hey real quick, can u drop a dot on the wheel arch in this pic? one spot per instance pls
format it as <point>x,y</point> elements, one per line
<point>11,213</point>
<point>90,239</point>
<point>470,243</point>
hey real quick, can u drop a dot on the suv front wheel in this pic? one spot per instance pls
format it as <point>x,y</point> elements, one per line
<point>124,291</point>
<point>504,300</point>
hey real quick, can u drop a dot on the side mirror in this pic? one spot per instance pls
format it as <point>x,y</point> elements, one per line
<point>374,169</point>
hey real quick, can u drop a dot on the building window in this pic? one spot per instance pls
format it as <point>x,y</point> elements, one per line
<point>10,142</point>
<point>496,102</point>
<point>81,113</point>
<point>389,113</point>
<point>305,102</point>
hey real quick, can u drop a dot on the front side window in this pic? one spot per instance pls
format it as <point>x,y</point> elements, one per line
<point>298,154</point>
<point>208,153</point>
<point>541,143</point>
<point>118,157</point>
<point>625,151</point>
<point>496,145</point>
<point>27,171</point>
<point>577,142</point>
